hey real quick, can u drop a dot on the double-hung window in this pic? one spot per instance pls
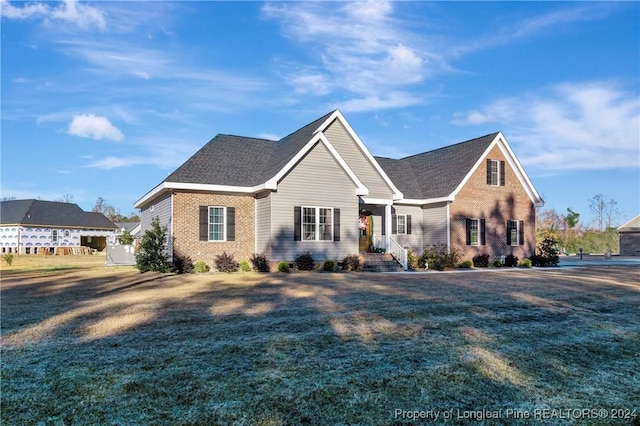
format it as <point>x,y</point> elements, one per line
<point>54,236</point>
<point>496,173</point>
<point>216,223</point>
<point>476,232</point>
<point>317,223</point>
<point>401,224</point>
<point>515,232</point>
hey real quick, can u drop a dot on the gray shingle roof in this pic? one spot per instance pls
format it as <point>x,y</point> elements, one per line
<point>50,213</point>
<point>436,173</point>
<point>242,161</point>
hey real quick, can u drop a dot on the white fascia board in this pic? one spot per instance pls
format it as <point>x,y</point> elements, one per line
<point>384,201</point>
<point>272,183</point>
<point>338,115</point>
<point>417,202</point>
<point>167,186</point>
<point>511,158</point>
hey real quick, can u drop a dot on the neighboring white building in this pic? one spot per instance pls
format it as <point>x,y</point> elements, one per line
<point>30,226</point>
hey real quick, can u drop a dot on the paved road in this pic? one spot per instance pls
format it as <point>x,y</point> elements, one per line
<point>599,260</point>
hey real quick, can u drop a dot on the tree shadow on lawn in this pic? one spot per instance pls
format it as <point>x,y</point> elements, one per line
<point>309,348</point>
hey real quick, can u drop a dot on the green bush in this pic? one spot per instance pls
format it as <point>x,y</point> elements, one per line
<point>201,266</point>
<point>547,253</point>
<point>439,257</point>
<point>8,258</point>
<point>226,263</point>
<point>351,262</point>
<point>481,260</point>
<point>412,260</point>
<point>305,261</point>
<point>283,266</point>
<point>260,262</point>
<point>497,263</point>
<point>125,238</point>
<point>329,265</point>
<point>526,263</point>
<point>152,253</point>
<point>466,264</point>
<point>244,266</point>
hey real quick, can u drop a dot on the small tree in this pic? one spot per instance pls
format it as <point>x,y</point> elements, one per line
<point>125,238</point>
<point>152,255</point>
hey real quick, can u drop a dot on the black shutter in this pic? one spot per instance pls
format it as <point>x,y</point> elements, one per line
<point>468,223</point>
<point>394,224</point>
<point>297,223</point>
<point>408,224</point>
<point>231,223</point>
<point>521,233</point>
<point>336,224</point>
<point>509,226</point>
<point>204,223</point>
<point>502,174</point>
<point>483,228</point>
<point>488,172</point>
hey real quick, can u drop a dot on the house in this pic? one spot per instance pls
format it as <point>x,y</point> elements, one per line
<point>320,189</point>
<point>629,237</point>
<point>132,227</point>
<point>31,226</point>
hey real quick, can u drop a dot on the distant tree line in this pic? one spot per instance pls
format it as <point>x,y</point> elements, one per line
<point>571,234</point>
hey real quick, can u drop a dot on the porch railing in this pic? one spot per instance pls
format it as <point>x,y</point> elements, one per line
<point>399,252</point>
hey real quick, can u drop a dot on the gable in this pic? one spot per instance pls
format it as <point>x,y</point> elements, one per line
<point>356,158</point>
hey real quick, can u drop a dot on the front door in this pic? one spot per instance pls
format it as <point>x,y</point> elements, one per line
<point>365,228</point>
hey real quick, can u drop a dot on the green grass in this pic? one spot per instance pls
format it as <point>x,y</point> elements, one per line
<point>104,346</point>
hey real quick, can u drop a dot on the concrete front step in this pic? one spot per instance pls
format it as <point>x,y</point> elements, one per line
<point>379,262</point>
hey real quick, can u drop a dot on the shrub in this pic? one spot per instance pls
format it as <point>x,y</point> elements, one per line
<point>481,260</point>
<point>283,266</point>
<point>467,264</point>
<point>526,263</point>
<point>125,238</point>
<point>201,266</point>
<point>351,262</point>
<point>329,265</point>
<point>412,260</point>
<point>439,257</point>
<point>497,263</point>
<point>8,258</point>
<point>182,264</point>
<point>547,253</point>
<point>260,262</point>
<point>305,262</point>
<point>226,263</point>
<point>152,253</point>
<point>511,261</point>
<point>244,266</point>
<point>378,250</point>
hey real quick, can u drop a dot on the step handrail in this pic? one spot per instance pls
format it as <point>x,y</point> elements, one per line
<point>399,253</point>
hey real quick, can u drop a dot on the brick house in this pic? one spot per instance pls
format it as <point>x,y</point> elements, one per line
<point>320,189</point>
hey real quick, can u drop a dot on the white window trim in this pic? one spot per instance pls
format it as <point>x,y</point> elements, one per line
<point>477,222</point>
<point>224,224</point>
<point>398,216</point>
<point>317,223</point>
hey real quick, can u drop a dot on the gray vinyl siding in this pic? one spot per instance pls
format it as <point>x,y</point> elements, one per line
<point>316,181</point>
<point>263,224</point>
<point>355,158</point>
<point>414,241</point>
<point>435,224</point>
<point>162,210</point>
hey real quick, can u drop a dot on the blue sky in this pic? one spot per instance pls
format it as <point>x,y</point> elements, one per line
<point>104,99</point>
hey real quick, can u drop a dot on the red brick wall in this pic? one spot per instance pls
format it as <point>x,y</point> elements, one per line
<point>496,204</point>
<point>186,226</point>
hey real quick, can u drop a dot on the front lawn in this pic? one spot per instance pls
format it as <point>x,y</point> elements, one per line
<point>93,345</point>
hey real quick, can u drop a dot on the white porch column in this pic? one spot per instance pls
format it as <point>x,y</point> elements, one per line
<point>387,225</point>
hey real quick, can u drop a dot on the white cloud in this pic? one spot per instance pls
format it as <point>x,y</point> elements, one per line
<point>95,127</point>
<point>84,16</point>
<point>568,126</point>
